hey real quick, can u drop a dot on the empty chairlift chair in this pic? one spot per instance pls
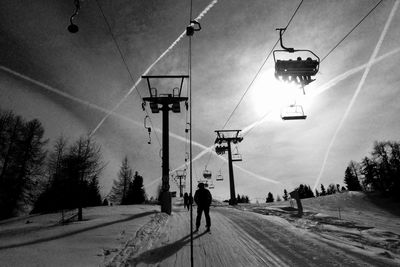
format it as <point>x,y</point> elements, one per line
<point>219,177</point>
<point>293,112</point>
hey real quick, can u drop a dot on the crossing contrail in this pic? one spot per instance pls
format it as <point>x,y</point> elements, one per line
<point>205,151</point>
<point>356,93</point>
<point>319,90</point>
<point>91,105</point>
<point>96,107</point>
<point>201,15</point>
<point>326,86</point>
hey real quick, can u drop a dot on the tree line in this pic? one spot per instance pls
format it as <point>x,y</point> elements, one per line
<point>305,191</point>
<point>378,172</point>
<point>64,177</point>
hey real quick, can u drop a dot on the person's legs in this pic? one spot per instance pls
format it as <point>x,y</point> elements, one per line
<point>207,215</point>
<point>198,218</point>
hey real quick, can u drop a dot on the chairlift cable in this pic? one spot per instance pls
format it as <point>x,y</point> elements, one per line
<point>330,51</point>
<point>190,134</point>
<point>261,67</point>
<point>209,158</point>
<point>125,64</point>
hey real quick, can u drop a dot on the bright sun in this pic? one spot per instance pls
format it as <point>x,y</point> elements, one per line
<point>269,94</point>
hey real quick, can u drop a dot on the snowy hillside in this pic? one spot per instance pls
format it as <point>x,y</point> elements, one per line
<point>248,235</point>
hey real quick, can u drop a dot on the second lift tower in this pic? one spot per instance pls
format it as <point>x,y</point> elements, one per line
<point>223,143</point>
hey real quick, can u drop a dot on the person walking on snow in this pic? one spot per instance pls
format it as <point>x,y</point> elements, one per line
<point>203,198</point>
<point>186,201</point>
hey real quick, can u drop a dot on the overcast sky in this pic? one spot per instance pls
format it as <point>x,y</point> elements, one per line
<point>70,81</point>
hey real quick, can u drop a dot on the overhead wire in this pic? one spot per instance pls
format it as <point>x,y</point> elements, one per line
<point>261,67</point>
<point>363,18</point>
<point>357,92</point>
<point>190,134</point>
<point>173,44</point>
<point>125,64</point>
<point>328,53</point>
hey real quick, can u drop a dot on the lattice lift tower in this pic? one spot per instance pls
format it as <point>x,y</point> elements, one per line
<point>165,103</point>
<point>223,144</point>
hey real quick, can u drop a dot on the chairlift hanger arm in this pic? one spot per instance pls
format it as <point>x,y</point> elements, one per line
<point>281,31</point>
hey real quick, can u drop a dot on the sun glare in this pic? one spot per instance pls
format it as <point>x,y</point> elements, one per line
<point>269,94</point>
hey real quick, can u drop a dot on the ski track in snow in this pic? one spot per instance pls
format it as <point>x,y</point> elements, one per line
<point>244,238</point>
<point>247,235</point>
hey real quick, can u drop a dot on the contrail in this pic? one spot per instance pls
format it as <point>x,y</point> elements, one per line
<point>96,107</point>
<point>91,105</point>
<point>205,151</point>
<point>201,15</point>
<point>319,90</point>
<point>359,87</point>
<point>328,85</point>
<point>54,90</point>
<point>108,112</point>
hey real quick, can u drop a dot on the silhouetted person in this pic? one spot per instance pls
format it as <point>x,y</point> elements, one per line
<point>190,200</point>
<point>203,198</point>
<point>186,201</point>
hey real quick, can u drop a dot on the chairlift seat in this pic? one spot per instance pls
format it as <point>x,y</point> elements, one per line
<point>236,157</point>
<point>293,112</point>
<point>293,117</point>
<point>219,178</point>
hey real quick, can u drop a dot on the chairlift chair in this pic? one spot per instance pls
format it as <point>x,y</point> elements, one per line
<point>219,177</point>
<point>211,186</point>
<point>296,70</point>
<point>207,174</point>
<point>293,112</point>
<point>236,156</point>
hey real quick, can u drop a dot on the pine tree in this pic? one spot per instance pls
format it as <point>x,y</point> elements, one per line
<point>285,195</point>
<point>316,193</point>
<point>323,191</point>
<point>270,198</point>
<point>351,180</point>
<point>119,190</point>
<point>136,193</point>
<point>331,189</point>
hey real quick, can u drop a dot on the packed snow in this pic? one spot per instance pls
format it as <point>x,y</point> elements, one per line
<point>247,235</point>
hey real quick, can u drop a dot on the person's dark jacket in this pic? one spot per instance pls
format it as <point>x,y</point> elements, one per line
<point>202,197</point>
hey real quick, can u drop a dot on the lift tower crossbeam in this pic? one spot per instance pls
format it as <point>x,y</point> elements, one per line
<point>224,144</point>
<point>165,103</point>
